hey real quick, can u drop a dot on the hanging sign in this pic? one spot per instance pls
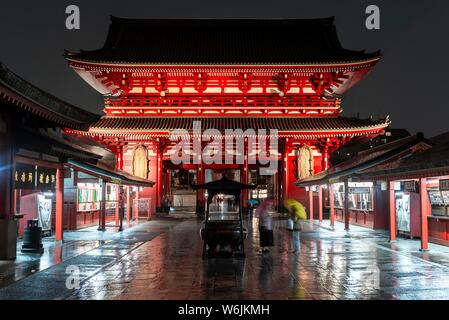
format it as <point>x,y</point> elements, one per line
<point>411,186</point>
<point>444,185</point>
<point>25,176</point>
<point>46,179</point>
<point>359,190</point>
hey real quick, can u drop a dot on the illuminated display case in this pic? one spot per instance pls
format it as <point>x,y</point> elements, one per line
<point>339,195</point>
<point>445,195</point>
<point>360,196</point>
<point>111,196</point>
<point>439,200</point>
<point>89,197</point>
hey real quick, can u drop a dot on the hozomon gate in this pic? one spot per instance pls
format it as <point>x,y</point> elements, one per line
<point>160,75</point>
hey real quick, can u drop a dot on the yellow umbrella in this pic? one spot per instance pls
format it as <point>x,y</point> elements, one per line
<point>297,208</point>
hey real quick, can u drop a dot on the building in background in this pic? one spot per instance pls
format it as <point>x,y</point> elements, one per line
<point>39,163</point>
<point>363,202</point>
<point>419,193</point>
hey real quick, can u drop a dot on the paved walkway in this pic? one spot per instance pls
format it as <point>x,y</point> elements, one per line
<point>162,260</point>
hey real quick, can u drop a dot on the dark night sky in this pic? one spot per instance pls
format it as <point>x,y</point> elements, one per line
<point>409,83</point>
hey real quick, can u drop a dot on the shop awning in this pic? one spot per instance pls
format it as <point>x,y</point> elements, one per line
<point>110,175</point>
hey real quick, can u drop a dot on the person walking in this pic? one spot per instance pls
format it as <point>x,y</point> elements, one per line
<point>263,213</point>
<point>297,213</point>
<point>296,232</point>
<point>166,204</point>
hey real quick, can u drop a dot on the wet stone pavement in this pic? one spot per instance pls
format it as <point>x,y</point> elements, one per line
<point>162,260</point>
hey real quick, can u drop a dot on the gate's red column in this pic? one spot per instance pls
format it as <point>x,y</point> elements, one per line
<point>424,214</point>
<point>159,175</point>
<point>285,173</point>
<point>120,157</point>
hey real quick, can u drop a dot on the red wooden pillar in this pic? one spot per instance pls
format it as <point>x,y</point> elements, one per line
<point>311,203</point>
<point>119,157</point>
<point>6,174</point>
<point>136,206</point>
<point>103,206</point>
<point>14,203</point>
<point>117,205</point>
<point>325,157</point>
<point>320,203</point>
<point>59,204</point>
<point>199,178</point>
<point>128,205</point>
<point>202,201</point>
<point>277,196</point>
<point>392,206</point>
<point>424,201</point>
<point>331,205</point>
<point>346,205</point>
<point>168,182</point>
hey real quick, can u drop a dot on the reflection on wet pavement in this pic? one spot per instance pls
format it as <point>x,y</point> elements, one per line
<point>162,260</point>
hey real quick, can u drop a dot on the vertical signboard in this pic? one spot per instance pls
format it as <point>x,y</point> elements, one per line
<point>46,179</point>
<point>25,176</point>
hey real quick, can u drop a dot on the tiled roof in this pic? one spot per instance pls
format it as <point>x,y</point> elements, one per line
<point>51,143</point>
<point>21,93</point>
<point>366,159</point>
<point>114,174</point>
<point>435,159</point>
<point>225,41</point>
<point>291,124</point>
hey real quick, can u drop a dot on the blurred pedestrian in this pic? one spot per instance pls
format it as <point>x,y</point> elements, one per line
<point>297,213</point>
<point>166,204</point>
<point>264,214</point>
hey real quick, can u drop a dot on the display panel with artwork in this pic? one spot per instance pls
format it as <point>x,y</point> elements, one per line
<point>44,212</point>
<point>89,197</point>
<point>403,212</point>
<point>339,195</point>
<point>435,197</point>
<point>361,198</point>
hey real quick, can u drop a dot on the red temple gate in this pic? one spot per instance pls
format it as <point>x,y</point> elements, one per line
<point>161,75</point>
